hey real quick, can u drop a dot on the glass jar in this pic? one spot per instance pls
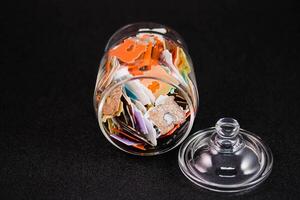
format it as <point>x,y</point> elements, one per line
<point>145,95</point>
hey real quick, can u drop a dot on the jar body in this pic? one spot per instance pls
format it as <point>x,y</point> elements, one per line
<point>145,96</point>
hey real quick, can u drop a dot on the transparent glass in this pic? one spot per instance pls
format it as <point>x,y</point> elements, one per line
<point>145,95</point>
<point>225,158</point>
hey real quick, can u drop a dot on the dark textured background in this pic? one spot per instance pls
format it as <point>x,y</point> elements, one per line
<point>245,55</point>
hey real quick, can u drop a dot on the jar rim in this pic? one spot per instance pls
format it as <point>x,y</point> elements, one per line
<point>179,39</point>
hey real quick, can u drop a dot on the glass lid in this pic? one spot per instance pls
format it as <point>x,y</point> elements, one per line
<point>225,158</point>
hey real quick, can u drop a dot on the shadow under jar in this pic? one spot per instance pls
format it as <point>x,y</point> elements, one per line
<point>145,95</point>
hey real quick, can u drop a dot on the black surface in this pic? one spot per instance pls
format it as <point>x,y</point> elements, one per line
<point>245,55</point>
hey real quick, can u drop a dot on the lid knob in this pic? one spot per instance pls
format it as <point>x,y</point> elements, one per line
<point>227,139</point>
<point>227,128</point>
